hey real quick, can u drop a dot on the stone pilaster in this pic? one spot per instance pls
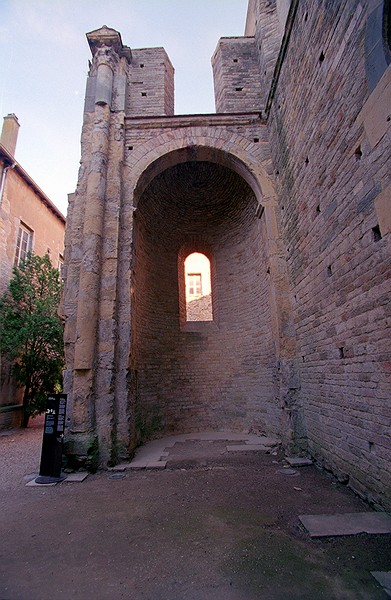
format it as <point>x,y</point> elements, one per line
<point>102,144</point>
<point>292,416</point>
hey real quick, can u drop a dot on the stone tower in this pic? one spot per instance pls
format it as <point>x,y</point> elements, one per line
<point>284,190</point>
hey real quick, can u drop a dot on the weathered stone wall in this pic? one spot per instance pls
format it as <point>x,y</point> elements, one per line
<point>236,75</point>
<point>266,23</point>
<point>330,141</point>
<point>151,83</point>
<point>199,309</point>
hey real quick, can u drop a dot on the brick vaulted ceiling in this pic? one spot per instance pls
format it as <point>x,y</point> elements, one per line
<point>194,195</point>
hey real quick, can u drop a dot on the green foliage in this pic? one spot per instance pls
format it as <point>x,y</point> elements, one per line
<point>31,332</point>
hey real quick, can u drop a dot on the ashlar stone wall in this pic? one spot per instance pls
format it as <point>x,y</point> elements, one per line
<point>329,131</point>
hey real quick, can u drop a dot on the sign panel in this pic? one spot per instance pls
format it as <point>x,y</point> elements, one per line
<point>53,434</point>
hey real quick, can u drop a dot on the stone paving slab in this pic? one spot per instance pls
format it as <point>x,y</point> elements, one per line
<point>247,448</point>
<point>153,452</point>
<point>76,477</point>
<point>137,465</point>
<point>384,578</point>
<point>346,524</point>
<point>157,464</point>
<point>264,441</point>
<point>299,462</point>
<point>33,483</point>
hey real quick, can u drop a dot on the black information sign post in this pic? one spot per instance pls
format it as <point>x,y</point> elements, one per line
<point>53,434</point>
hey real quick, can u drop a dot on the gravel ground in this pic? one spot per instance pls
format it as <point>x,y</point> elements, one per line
<point>212,526</point>
<point>20,454</point>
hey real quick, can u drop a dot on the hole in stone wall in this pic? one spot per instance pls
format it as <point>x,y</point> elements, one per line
<point>387,24</point>
<point>268,270</point>
<point>143,93</point>
<point>306,16</point>
<point>130,147</point>
<point>341,352</point>
<point>307,160</point>
<point>303,358</point>
<point>321,57</point>
<point>256,140</point>
<point>198,288</point>
<point>235,60</point>
<point>318,209</point>
<point>329,271</point>
<point>141,66</point>
<point>376,233</point>
<point>277,172</point>
<point>238,89</point>
<point>370,446</point>
<point>358,153</point>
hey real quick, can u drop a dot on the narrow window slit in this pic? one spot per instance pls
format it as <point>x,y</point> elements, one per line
<point>376,233</point>
<point>198,288</point>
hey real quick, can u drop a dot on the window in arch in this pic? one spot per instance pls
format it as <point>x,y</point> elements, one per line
<point>198,288</point>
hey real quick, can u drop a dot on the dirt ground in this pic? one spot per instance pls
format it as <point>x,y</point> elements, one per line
<point>212,526</point>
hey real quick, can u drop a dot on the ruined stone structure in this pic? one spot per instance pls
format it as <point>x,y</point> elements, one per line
<point>286,190</point>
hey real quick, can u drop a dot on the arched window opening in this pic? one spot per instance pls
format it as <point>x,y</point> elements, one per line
<point>198,288</point>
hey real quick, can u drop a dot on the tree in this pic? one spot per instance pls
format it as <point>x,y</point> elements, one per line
<point>31,332</point>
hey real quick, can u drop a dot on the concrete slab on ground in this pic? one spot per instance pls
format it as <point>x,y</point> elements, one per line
<point>384,578</point>
<point>346,524</point>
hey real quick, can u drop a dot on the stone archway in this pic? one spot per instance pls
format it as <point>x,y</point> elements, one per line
<point>125,164</point>
<point>219,376</point>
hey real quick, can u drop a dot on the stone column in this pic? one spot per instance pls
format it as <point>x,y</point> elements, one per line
<point>82,435</point>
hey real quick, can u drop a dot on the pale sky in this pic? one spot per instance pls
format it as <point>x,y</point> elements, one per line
<point>44,66</point>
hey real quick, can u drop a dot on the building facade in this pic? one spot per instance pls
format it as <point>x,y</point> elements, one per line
<point>29,221</point>
<point>286,191</point>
